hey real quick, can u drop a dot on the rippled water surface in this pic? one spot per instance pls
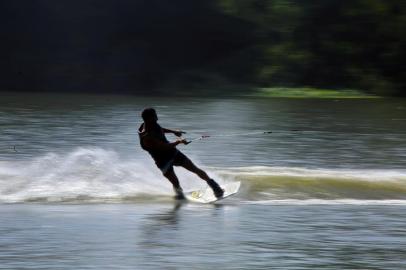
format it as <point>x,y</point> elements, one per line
<point>307,133</point>
<point>326,189</point>
<point>229,236</point>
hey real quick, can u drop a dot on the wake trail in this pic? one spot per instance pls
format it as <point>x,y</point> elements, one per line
<point>87,175</point>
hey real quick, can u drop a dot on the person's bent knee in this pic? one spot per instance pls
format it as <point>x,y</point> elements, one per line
<point>168,173</point>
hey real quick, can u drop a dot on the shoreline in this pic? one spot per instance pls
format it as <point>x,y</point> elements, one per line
<point>309,92</point>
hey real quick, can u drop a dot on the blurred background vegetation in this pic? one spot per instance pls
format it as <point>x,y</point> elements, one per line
<point>203,46</point>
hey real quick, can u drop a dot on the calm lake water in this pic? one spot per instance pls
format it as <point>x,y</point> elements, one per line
<point>325,190</point>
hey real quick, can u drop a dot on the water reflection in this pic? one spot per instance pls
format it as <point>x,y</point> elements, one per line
<point>166,218</point>
<point>349,133</point>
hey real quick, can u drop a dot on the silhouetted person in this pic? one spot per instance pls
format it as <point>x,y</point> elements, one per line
<point>153,140</point>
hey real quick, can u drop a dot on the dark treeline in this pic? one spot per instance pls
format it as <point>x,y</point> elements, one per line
<point>156,46</point>
<point>328,43</point>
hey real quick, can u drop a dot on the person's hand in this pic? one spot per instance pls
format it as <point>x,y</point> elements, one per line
<point>178,133</point>
<point>181,140</point>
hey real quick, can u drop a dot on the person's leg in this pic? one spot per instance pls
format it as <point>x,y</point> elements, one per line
<point>171,176</point>
<point>189,165</point>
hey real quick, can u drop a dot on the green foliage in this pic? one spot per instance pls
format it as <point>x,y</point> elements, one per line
<point>307,92</point>
<point>327,43</point>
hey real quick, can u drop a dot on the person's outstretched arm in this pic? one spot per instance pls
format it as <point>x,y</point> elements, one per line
<point>158,145</point>
<point>178,133</point>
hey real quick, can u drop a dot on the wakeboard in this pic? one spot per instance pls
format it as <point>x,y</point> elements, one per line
<point>207,196</point>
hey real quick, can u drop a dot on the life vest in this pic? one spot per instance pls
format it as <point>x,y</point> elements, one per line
<point>160,156</point>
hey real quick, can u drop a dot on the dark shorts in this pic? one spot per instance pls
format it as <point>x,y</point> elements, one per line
<point>178,160</point>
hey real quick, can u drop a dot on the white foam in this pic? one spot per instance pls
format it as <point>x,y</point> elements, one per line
<point>103,174</point>
<point>359,174</point>
<point>326,202</point>
<point>84,172</point>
